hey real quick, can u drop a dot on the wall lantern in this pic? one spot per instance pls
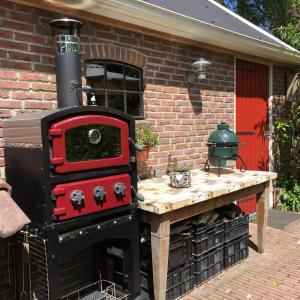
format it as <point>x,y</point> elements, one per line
<point>199,70</point>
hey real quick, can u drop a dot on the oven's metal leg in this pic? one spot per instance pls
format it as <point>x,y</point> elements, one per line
<point>53,261</point>
<point>133,262</point>
<point>54,280</point>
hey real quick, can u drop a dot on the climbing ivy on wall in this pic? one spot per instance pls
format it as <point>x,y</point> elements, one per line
<point>287,162</point>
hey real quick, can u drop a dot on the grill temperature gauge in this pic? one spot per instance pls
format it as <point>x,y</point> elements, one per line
<point>94,136</point>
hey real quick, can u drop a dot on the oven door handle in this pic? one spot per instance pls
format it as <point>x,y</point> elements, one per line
<point>137,196</point>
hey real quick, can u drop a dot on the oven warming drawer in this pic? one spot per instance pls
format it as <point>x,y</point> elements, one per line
<point>84,197</point>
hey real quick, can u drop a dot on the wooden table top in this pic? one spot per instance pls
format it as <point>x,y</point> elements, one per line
<point>160,198</point>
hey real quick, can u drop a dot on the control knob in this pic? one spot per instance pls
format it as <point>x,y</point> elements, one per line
<point>77,197</point>
<point>119,189</point>
<point>99,193</point>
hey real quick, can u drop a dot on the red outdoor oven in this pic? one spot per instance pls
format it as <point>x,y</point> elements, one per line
<point>71,163</point>
<point>73,172</point>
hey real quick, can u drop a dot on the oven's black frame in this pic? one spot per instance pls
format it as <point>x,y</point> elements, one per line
<point>59,249</point>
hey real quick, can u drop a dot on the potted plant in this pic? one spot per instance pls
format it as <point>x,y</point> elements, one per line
<point>180,177</point>
<point>146,137</point>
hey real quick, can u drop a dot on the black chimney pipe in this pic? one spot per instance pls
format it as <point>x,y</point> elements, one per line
<point>67,62</point>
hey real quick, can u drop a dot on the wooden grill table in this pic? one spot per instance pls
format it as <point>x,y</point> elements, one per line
<point>164,206</point>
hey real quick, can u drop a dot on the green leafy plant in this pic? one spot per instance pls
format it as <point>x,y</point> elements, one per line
<point>180,169</point>
<point>176,167</point>
<point>287,154</point>
<point>290,199</point>
<point>281,18</point>
<point>145,136</point>
<point>290,32</point>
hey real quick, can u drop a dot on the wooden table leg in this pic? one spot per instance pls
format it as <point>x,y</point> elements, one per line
<point>262,217</point>
<point>160,239</point>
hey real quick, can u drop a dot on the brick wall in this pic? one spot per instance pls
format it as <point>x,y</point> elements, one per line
<point>181,112</point>
<point>279,90</point>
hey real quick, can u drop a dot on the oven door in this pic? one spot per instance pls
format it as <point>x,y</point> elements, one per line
<point>88,142</point>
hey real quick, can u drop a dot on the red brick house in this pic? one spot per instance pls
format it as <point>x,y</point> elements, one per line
<point>156,41</point>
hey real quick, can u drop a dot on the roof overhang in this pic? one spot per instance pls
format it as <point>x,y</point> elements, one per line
<point>142,14</point>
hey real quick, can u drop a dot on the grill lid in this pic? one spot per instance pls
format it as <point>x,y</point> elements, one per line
<point>223,136</point>
<point>223,148</point>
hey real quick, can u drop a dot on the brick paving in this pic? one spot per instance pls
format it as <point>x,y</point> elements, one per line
<point>271,276</point>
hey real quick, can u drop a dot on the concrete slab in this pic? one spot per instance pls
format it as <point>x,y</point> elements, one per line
<point>282,220</point>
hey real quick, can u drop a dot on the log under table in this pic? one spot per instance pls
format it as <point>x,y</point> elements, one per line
<point>165,205</point>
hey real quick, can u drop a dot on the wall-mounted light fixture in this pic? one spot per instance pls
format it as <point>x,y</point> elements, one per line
<point>199,70</point>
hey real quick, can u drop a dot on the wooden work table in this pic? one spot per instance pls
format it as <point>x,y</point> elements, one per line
<point>165,205</point>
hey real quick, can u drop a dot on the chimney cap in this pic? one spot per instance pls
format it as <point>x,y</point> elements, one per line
<point>71,25</point>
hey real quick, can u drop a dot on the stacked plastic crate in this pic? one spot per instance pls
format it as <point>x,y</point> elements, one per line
<point>200,248</point>
<point>180,268</point>
<point>207,250</point>
<point>236,240</point>
<point>219,245</point>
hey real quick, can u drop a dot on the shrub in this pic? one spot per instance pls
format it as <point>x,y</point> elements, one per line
<point>145,136</point>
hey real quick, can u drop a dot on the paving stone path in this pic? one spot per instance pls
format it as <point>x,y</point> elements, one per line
<point>272,276</point>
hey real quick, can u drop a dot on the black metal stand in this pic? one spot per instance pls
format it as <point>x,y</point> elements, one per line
<point>243,166</point>
<point>48,251</point>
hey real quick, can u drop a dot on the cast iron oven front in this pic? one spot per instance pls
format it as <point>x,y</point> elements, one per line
<point>34,177</point>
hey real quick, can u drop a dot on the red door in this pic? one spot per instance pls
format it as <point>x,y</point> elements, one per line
<point>252,92</point>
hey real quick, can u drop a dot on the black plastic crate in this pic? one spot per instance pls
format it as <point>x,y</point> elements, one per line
<point>207,237</point>
<point>180,252</point>
<point>235,228</point>
<point>180,249</point>
<point>208,265</point>
<point>179,282</point>
<point>236,250</point>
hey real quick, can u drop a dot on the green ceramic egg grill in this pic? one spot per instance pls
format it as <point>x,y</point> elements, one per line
<point>223,147</point>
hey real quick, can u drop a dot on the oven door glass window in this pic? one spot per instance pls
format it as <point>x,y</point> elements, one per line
<point>92,142</point>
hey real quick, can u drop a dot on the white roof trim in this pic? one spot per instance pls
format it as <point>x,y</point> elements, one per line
<point>153,17</point>
<point>252,25</point>
<point>219,27</point>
